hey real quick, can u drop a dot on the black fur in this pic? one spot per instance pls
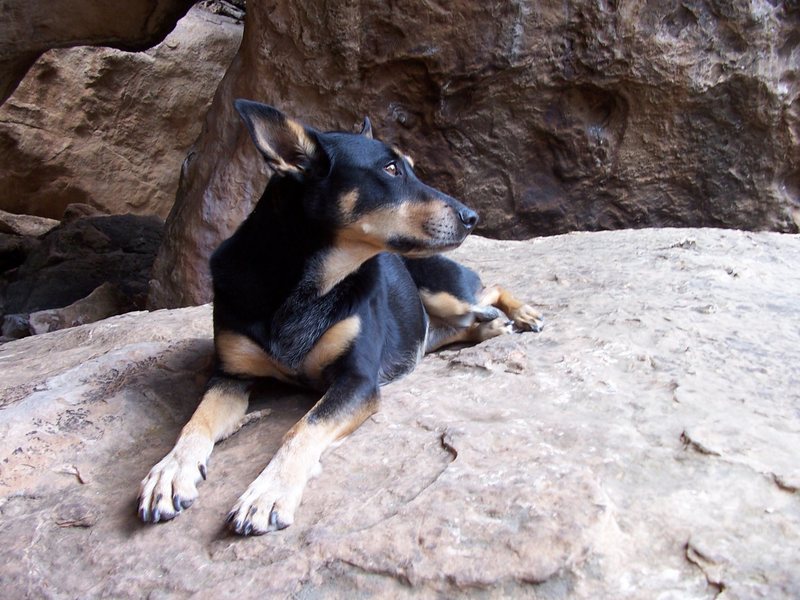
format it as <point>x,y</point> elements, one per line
<point>264,275</point>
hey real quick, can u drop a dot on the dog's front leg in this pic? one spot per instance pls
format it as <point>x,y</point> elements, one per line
<point>171,484</point>
<point>270,502</point>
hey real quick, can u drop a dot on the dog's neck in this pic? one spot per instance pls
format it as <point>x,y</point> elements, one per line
<point>321,258</point>
<point>340,260</point>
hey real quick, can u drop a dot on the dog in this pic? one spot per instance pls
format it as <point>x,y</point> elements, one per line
<point>334,282</point>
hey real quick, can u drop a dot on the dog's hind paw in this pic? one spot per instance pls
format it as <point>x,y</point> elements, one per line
<point>491,329</point>
<point>527,319</point>
<point>171,485</point>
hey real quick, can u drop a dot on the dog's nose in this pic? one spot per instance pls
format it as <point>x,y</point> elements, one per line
<point>468,217</point>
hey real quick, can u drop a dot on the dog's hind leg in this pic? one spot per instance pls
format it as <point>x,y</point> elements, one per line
<point>270,502</point>
<point>524,316</point>
<point>171,484</point>
<point>443,334</point>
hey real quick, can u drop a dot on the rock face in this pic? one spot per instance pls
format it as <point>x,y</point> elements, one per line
<point>105,301</point>
<point>646,444</point>
<point>25,225</point>
<point>546,117</point>
<point>110,128</point>
<point>72,261</point>
<point>29,28</point>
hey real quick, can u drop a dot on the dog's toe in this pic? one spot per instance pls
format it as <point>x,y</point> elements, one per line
<point>169,488</point>
<point>265,506</point>
<point>526,318</point>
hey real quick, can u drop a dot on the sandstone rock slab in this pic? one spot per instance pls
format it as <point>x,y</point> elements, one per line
<point>645,444</point>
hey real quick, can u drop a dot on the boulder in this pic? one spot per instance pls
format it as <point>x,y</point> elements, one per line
<point>14,249</point>
<point>110,128</point>
<point>25,225</point>
<point>546,117</point>
<point>105,301</point>
<point>29,28</point>
<point>645,444</point>
<point>75,258</point>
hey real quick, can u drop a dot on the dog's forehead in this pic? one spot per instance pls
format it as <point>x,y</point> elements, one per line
<point>357,149</point>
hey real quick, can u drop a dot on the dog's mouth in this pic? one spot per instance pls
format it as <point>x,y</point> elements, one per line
<point>418,248</point>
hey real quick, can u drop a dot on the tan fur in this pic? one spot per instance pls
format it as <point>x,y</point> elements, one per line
<point>333,343</point>
<point>240,355</point>
<point>347,203</point>
<point>406,219</point>
<point>304,143</point>
<point>523,315</point>
<point>345,257</point>
<point>220,413</point>
<point>443,305</point>
<point>263,134</point>
<point>404,155</point>
<point>501,298</point>
<point>442,334</point>
<point>279,487</point>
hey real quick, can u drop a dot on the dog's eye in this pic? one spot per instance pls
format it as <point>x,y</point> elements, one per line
<point>392,169</point>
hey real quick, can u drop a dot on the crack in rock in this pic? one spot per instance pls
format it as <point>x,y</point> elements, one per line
<point>708,566</point>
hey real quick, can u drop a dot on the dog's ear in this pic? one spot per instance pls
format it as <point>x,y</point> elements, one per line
<point>288,146</point>
<point>366,128</point>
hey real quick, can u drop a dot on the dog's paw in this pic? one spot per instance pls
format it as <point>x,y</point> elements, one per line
<point>171,485</point>
<point>527,319</point>
<point>267,505</point>
<point>494,328</point>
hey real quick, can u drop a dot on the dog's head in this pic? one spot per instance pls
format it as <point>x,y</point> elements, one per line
<point>364,190</point>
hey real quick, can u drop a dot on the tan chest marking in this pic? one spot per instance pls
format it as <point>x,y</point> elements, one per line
<point>240,355</point>
<point>333,344</point>
<point>344,258</point>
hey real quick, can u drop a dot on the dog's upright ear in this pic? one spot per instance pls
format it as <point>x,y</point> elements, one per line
<point>288,146</point>
<point>366,128</point>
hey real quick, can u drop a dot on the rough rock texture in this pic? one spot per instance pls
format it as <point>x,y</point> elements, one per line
<point>105,301</point>
<point>645,445</point>
<point>25,225</point>
<point>72,260</point>
<point>544,116</point>
<point>110,128</point>
<point>29,28</point>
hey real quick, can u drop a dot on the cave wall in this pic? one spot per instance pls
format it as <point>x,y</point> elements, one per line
<point>544,116</point>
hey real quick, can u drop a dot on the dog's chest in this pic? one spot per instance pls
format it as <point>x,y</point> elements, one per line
<point>240,355</point>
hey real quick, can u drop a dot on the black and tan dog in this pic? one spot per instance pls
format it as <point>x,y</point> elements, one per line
<point>331,283</point>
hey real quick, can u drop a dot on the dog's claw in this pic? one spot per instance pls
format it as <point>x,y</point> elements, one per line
<point>203,473</point>
<point>275,521</point>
